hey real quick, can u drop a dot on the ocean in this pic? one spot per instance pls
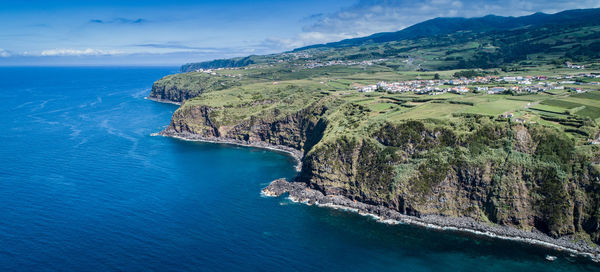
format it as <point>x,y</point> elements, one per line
<point>85,187</point>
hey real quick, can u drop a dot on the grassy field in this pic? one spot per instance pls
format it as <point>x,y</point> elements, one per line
<point>284,97</point>
<point>279,89</point>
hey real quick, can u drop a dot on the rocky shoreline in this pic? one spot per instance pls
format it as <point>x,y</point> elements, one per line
<point>294,153</point>
<point>166,101</point>
<point>301,192</point>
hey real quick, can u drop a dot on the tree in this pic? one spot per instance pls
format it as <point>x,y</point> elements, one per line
<point>436,76</point>
<point>468,74</point>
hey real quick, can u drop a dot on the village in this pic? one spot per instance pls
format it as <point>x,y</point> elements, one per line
<point>490,84</point>
<point>486,84</point>
<point>315,64</point>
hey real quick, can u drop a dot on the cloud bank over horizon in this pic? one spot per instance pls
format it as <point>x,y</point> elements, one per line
<point>153,32</point>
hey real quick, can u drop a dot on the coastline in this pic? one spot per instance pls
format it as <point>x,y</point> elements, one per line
<point>294,153</point>
<point>166,101</point>
<point>302,193</point>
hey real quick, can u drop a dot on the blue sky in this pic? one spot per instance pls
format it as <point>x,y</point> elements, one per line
<point>175,32</point>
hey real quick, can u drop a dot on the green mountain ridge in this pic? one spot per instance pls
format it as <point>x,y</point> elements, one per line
<point>440,26</point>
<point>456,43</point>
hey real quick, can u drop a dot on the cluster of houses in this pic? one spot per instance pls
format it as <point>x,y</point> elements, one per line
<point>314,64</point>
<point>212,72</point>
<point>518,84</point>
<point>573,66</point>
<point>207,71</point>
<point>431,87</point>
<point>296,55</point>
<point>580,75</point>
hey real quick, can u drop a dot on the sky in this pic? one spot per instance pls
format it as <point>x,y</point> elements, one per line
<point>173,32</point>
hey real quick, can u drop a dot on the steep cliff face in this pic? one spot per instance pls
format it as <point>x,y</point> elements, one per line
<point>525,177</point>
<point>492,170</point>
<point>172,94</point>
<point>300,130</point>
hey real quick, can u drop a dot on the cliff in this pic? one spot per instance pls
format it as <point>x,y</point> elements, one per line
<point>298,131</point>
<point>526,176</point>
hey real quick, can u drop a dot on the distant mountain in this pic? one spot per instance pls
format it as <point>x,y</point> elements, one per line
<point>440,26</point>
<point>453,43</point>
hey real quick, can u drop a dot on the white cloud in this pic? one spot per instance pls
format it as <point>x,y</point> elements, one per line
<point>319,37</point>
<point>4,53</point>
<point>302,39</point>
<point>78,52</point>
<point>279,44</point>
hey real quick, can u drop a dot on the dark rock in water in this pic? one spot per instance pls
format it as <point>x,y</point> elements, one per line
<point>279,187</point>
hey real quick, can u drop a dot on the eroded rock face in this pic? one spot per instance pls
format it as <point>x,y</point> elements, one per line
<point>299,131</point>
<point>173,94</point>
<point>193,120</point>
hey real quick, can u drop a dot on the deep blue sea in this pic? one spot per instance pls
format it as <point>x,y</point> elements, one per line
<point>84,187</point>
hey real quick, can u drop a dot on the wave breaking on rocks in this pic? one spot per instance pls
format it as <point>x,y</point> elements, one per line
<point>294,153</point>
<point>301,192</point>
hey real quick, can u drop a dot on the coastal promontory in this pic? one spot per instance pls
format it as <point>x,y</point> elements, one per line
<point>389,129</point>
